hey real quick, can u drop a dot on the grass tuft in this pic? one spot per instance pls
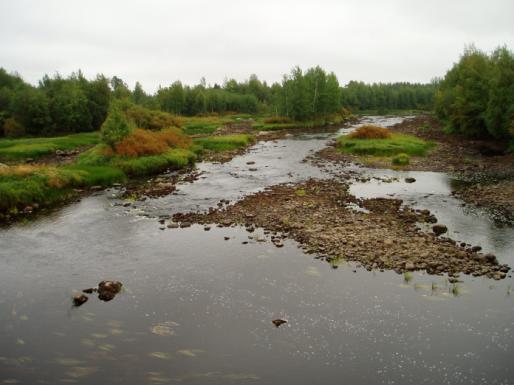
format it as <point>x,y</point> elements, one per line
<point>396,144</point>
<point>224,142</point>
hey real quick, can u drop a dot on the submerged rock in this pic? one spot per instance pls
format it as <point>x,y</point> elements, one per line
<point>410,180</point>
<point>278,322</point>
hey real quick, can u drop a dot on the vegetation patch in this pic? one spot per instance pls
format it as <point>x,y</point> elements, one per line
<point>224,142</point>
<point>401,159</point>
<point>18,149</point>
<point>27,185</point>
<point>395,144</point>
<point>370,131</point>
<point>174,158</point>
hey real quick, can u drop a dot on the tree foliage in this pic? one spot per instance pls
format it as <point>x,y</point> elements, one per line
<point>476,97</point>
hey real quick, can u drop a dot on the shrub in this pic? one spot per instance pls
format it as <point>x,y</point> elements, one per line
<point>143,142</point>
<point>151,119</point>
<point>370,131</point>
<point>13,129</point>
<point>140,142</point>
<point>401,159</point>
<point>175,138</point>
<point>115,128</point>
<point>278,120</point>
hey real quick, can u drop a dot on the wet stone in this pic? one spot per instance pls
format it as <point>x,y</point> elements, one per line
<point>79,300</point>
<point>439,229</point>
<point>278,322</point>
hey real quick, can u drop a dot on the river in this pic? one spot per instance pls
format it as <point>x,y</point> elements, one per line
<point>197,309</point>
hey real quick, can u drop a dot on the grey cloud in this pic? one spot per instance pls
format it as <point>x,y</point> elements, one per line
<point>158,41</point>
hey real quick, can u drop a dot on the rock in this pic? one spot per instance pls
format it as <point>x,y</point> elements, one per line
<point>439,229</point>
<point>226,238</point>
<point>90,290</point>
<point>278,322</point>
<point>107,290</point>
<point>250,162</point>
<point>173,225</point>
<point>491,258</point>
<point>95,188</point>
<point>252,169</point>
<point>79,300</point>
<point>476,249</point>
<point>410,265</point>
<point>410,180</point>
<point>185,224</point>
<point>207,228</point>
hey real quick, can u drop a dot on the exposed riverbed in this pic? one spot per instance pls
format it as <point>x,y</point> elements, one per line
<point>197,309</point>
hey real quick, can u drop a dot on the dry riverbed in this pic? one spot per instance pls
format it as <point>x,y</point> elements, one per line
<point>327,220</point>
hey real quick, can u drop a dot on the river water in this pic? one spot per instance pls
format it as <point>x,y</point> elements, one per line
<point>197,309</point>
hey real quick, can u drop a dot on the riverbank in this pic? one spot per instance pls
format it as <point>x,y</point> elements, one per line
<point>487,172</point>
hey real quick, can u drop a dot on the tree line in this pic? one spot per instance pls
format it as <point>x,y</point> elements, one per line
<point>75,104</point>
<point>476,97</point>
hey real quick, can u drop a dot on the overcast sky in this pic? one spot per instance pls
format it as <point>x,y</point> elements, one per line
<point>159,41</point>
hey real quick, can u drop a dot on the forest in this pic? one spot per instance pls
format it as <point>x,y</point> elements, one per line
<point>60,105</point>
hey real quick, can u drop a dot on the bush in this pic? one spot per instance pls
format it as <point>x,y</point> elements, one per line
<point>401,159</point>
<point>13,129</point>
<point>370,131</point>
<point>278,120</point>
<point>115,128</point>
<point>143,142</point>
<point>151,119</point>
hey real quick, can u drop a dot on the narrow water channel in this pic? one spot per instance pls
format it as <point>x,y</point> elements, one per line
<point>197,309</point>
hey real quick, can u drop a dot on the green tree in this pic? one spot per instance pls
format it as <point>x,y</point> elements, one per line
<point>500,108</point>
<point>116,127</point>
<point>30,107</point>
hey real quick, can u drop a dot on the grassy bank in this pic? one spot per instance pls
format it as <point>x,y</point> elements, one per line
<point>18,149</point>
<point>223,142</point>
<point>24,186</point>
<point>394,145</point>
<point>21,186</point>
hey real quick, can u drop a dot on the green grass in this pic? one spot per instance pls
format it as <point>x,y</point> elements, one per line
<point>223,142</point>
<point>401,159</point>
<point>144,165</point>
<point>18,149</point>
<point>49,185</point>
<point>386,111</point>
<point>396,144</point>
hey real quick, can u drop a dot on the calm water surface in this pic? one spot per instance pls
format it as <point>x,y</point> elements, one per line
<point>197,309</point>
